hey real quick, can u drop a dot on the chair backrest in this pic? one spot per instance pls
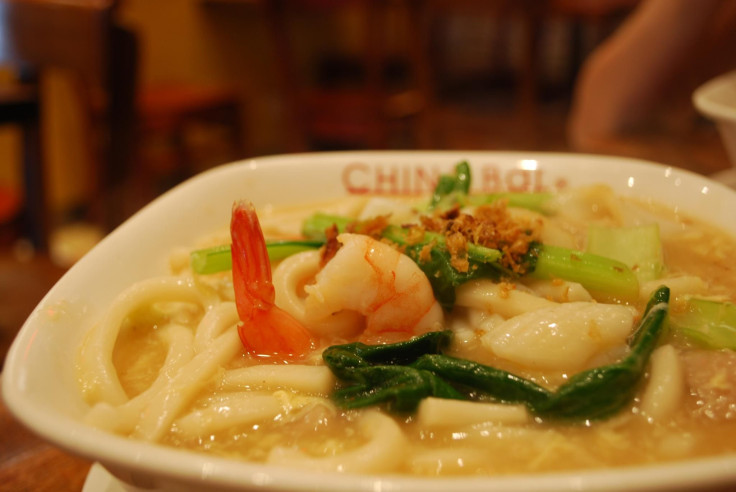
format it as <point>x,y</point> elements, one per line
<point>73,34</point>
<point>81,36</point>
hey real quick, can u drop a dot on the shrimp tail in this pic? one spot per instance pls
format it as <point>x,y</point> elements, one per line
<point>251,266</point>
<point>266,330</point>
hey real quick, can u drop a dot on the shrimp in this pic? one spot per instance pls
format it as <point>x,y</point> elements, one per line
<point>372,278</point>
<point>265,329</point>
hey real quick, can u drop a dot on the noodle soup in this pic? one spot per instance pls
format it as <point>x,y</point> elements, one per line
<point>173,361</point>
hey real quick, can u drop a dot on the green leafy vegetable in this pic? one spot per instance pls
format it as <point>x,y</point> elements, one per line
<point>442,276</point>
<point>538,202</point>
<point>481,379</point>
<point>401,375</point>
<point>345,358</point>
<point>211,260</point>
<point>314,226</point>
<point>476,253</point>
<point>595,273</point>
<point>219,259</point>
<point>278,250</point>
<point>711,323</point>
<point>382,373</point>
<point>454,189</point>
<point>638,247</point>
<point>451,189</point>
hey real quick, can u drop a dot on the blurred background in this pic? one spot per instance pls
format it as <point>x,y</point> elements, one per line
<point>104,104</point>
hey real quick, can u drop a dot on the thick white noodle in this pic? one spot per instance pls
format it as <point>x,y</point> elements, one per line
<point>435,412</point>
<point>123,418</point>
<point>246,409</point>
<point>385,450</point>
<point>481,434</point>
<point>214,322</point>
<point>498,298</point>
<point>183,387</point>
<point>194,354</point>
<point>448,460</point>
<point>95,361</point>
<point>666,386</point>
<point>307,379</point>
<point>681,288</point>
<point>559,290</point>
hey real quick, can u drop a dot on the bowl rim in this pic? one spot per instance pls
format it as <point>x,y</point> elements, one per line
<point>704,98</point>
<point>165,461</point>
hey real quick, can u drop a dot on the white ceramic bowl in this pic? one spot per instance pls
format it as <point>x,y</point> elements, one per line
<point>716,99</point>
<point>38,381</point>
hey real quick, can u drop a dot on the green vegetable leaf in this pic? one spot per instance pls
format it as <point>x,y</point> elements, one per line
<point>596,273</point>
<point>442,276</point>
<point>498,384</point>
<point>400,387</point>
<point>219,258</point>
<point>538,202</point>
<point>400,375</point>
<point>314,226</point>
<point>343,359</point>
<point>382,373</point>
<point>451,189</point>
<point>637,247</point>
<point>211,260</point>
<point>280,249</point>
<point>710,323</point>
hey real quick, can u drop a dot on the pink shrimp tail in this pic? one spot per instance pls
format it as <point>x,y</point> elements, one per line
<point>266,330</point>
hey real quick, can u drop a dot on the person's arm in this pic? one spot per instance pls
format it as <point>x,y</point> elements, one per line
<point>627,72</point>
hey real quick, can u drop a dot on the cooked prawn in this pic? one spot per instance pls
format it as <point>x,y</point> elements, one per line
<point>265,329</point>
<point>374,279</point>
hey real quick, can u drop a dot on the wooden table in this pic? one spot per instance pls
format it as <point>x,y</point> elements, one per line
<point>29,463</point>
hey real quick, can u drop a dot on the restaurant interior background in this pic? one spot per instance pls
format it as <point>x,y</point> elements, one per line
<point>104,104</point>
<point>137,95</point>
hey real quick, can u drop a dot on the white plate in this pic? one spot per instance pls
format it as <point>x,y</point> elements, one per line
<point>716,99</point>
<point>38,381</point>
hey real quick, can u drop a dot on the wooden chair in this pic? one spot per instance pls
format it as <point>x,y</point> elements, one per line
<point>529,15</point>
<point>80,36</point>
<point>356,115</point>
<point>594,10</point>
<point>166,116</point>
<point>600,16</point>
<point>19,105</point>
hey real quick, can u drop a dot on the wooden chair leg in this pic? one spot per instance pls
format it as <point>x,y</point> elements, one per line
<point>119,146</point>
<point>275,14</point>
<point>376,11</point>
<point>237,132</point>
<point>420,27</point>
<point>35,211</point>
<point>528,83</point>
